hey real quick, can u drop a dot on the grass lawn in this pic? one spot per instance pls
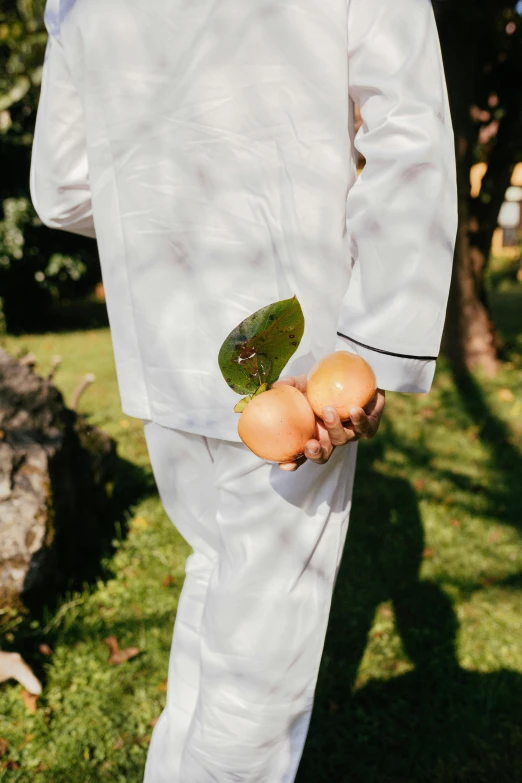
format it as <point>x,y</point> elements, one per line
<point>421,680</point>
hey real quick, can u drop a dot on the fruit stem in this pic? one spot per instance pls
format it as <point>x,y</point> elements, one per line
<point>240,406</point>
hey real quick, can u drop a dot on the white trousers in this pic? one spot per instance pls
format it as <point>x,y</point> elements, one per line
<point>253,612</point>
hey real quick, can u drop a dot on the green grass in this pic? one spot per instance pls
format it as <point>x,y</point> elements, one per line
<point>421,680</point>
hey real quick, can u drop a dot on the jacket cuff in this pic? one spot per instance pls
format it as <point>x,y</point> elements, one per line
<point>393,373</point>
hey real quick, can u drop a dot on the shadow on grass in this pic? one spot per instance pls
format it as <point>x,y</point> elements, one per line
<point>505,458</point>
<point>438,723</point>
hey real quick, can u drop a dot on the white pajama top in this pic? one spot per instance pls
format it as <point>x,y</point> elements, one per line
<point>209,147</point>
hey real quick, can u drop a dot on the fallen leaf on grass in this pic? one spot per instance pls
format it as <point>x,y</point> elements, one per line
<point>119,743</point>
<point>168,581</point>
<point>455,523</point>
<point>12,665</point>
<point>142,741</point>
<point>153,722</point>
<point>494,536</point>
<point>426,413</point>
<point>163,685</point>
<point>112,644</point>
<point>45,649</point>
<point>3,746</point>
<point>428,552</point>
<point>29,700</point>
<point>506,395</point>
<point>119,656</point>
<point>418,484</point>
<point>9,765</point>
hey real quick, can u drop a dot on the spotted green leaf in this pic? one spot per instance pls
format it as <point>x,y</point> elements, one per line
<point>257,350</point>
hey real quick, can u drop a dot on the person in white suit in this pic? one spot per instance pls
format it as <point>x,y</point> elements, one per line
<point>209,147</point>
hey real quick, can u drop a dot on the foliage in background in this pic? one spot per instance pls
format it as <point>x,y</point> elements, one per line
<point>37,266</point>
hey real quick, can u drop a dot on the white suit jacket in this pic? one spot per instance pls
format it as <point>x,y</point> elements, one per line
<point>210,149</point>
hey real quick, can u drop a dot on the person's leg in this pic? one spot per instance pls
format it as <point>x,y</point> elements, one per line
<point>184,474</point>
<point>265,615</point>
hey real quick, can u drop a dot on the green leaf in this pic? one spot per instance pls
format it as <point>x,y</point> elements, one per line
<point>257,350</point>
<point>240,406</point>
<point>260,389</point>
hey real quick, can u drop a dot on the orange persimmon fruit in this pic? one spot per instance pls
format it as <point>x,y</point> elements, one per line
<point>342,380</point>
<point>276,424</point>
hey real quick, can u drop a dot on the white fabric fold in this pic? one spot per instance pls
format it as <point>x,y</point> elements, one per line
<point>252,615</point>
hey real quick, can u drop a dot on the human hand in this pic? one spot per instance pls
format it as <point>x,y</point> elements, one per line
<point>331,431</point>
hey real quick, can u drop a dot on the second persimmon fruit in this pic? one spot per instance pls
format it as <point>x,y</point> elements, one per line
<point>342,380</point>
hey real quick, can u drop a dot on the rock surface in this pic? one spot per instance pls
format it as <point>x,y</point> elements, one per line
<point>55,480</point>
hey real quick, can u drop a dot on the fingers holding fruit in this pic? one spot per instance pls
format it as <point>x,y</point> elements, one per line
<point>363,422</point>
<point>366,421</point>
<point>339,434</point>
<point>332,432</point>
<point>289,467</point>
<point>318,449</point>
<point>299,381</point>
<point>299,418</point>
<point>338,387</point>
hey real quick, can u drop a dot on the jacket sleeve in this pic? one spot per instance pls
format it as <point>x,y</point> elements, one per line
<point>59,179</point>
<point>402,210</point>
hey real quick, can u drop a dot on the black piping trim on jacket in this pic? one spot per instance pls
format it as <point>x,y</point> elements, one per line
<point>388,353</point>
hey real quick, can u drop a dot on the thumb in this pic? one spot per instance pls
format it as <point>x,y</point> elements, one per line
<point>299,381</point>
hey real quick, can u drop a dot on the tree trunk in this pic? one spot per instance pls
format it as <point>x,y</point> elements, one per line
<point>468,335</point>
<point>55,476</point>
